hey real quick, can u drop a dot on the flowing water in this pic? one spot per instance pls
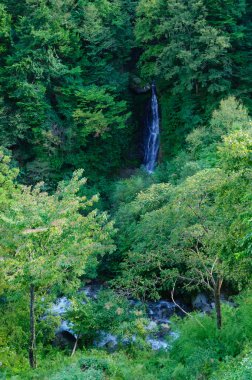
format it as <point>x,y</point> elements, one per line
<point>158,328</point>
<point>151,140</point>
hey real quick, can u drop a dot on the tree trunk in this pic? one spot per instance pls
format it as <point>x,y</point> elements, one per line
<point>217,300</point>
<point>75,345</point>
<point>32,346</point>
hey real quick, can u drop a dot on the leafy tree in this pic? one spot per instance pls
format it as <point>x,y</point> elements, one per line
<point>191,231</point>
<point>62,85</point>
<point>7,178</point>
<point>46,241</point>
<point>197,53</point>
<point>190,53</point>
<point>110,312</point>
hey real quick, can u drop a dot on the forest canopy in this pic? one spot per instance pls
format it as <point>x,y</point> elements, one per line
<point>109,270</point>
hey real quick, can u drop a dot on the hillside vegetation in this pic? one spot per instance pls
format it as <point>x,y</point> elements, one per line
<point>78,208</point>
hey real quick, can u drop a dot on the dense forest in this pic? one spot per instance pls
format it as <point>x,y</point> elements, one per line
<point>126,189</point>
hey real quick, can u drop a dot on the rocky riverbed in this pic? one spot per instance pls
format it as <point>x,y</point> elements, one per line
<point>158,329</point>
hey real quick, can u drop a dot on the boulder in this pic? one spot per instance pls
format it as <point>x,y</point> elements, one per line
<point>202,303</point>
<point>138,87</point>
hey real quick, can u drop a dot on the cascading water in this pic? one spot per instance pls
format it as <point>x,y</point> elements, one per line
<point>158,328</point>
<point>151,141</point>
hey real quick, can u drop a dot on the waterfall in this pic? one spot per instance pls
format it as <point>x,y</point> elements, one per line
<point>151,141</point>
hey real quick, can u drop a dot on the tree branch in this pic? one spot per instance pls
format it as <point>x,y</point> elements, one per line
<point>185,312</point>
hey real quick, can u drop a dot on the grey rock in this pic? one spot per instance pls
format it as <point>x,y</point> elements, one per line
<point>201,302</point>
<point>137,86</point>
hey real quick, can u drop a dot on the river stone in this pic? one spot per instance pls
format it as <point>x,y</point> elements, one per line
<point>165,328</point>
<point>151,326</point>
<point>201,302</point>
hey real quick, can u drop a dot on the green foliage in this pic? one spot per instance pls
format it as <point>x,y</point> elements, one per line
<point>109,313</point>
<point>126,190</point>
<point>45,244</point>
<point>47,228</point>
<point>190,53</point>
<point>76,372</point>
<point>197,52</point>
<point>62,82</point>
<point>239,369</point>
<point>192,227</point>
<point>7,178</point>
<point>200,352</point>
<point>98,112</point>
<point>59,366</point>
<point>65,104</point>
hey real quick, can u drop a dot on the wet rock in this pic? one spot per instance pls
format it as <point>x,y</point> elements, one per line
<point>174,335</point>
<point>91,291</point>
<point>106,340</point>
<point>201,302</point>
<point>63,339</point>
<point>157,330</point>
<point>152,326</point>
<point>161,311</point>
<point>165,328</point>
<point>229,303</point>
<point>138,87</point>
<point>61,306</point>
<point>157,344</point>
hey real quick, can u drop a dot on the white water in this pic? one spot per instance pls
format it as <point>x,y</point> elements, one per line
<point>159,327</point>
<point>151,144</point>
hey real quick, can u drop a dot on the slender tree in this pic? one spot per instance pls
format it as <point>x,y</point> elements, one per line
<point>46,241</point>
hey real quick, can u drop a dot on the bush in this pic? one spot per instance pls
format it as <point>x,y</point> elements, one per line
<point>110,313</point>
<point>235,370</point>
<point>95,363</point>
<point>201,348</point>
<point>74,372</point>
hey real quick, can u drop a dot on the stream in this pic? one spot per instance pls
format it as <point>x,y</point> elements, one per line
<point>158,329</point>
